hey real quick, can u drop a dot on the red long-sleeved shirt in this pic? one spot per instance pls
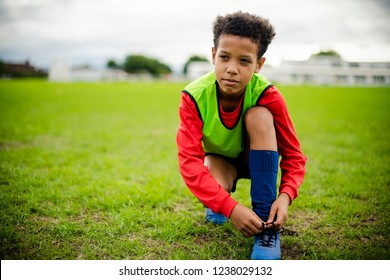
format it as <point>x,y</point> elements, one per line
<point>191,155</point>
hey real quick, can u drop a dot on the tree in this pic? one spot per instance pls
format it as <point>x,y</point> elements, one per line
<point>328,53</point>
<point>191,59</point>
<point>2,67</point>
<point>112,64</point>
<point>142,64</point>
<point>21,70</point>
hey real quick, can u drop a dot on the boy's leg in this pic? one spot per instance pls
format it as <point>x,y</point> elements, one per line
<point>224,173</point>
<point>263,166</point>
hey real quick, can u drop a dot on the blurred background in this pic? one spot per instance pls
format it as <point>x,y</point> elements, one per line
<point>140,40</point>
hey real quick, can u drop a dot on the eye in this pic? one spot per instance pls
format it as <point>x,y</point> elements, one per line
<point>245,61</point>
<point>224,57</point>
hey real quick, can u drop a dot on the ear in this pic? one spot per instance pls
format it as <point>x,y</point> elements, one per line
<point>213,53</point>
<point>259,64</point>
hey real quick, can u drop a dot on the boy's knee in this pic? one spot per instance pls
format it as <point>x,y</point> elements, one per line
<point>223,172</point>
<point>259,118</point>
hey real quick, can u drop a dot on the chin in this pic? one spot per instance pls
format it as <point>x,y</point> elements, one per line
<point>231,91</point>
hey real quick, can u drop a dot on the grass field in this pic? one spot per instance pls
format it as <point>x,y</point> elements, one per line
<point>89,171</point>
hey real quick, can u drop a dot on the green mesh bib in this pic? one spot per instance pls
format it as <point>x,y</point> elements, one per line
<point>217,138</point>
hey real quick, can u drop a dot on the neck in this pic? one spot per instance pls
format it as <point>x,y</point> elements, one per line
<point>229,102</point>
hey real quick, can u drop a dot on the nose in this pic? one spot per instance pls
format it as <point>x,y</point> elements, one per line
<point>232,68</point>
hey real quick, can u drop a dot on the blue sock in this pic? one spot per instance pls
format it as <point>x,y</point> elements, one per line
<point>263,167</point>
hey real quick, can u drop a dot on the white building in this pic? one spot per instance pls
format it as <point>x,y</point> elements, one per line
<point>196,69</point>
<point>61,71</point>
<point>322,70</point>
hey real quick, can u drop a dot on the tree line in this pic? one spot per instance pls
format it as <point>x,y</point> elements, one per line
<point>138,64</point>
<point>132,64</point>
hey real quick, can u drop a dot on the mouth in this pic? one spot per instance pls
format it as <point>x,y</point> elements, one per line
<point>230,82</point>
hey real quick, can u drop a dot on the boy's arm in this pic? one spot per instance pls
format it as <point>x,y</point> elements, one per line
<point>191,161</point>
<point>293,160</point>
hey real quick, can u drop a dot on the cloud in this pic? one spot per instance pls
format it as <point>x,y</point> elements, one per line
<point>93,31</point>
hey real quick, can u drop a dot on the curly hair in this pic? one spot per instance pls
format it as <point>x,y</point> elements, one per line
<point>253,27</point>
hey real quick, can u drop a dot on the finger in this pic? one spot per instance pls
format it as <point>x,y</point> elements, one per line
<point>272,216</point>
<point>245,230</point>
<point>260,229</point>
<point>256,229</point>
<point>249,230</point>
<point>246,233</point>
<point>275,225</point>
<point>257,222</point>
<point>281,220</point>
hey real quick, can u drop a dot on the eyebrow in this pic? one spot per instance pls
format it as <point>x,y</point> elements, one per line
<point>242,56</point>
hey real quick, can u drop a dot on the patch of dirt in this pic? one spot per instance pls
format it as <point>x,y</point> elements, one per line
<point>300,219</point>
<point>14,145</point>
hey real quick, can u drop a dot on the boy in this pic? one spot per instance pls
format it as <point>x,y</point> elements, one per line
<point>234,124</point>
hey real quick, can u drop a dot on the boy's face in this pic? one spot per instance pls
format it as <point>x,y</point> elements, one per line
<point>235,61</point>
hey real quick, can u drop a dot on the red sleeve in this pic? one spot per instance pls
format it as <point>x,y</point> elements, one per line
<point>191,161</point>
<point>293,160</point>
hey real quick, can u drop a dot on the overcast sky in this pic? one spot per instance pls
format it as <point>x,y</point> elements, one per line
<point>94,31</point>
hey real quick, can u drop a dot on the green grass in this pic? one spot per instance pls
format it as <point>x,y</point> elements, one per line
<point>89,171</point>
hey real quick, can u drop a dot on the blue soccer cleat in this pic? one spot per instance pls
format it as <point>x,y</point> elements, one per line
<point>267,245</point>
<point>215,218</point>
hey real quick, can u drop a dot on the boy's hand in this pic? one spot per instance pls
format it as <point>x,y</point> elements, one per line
<point>246,221</point>
<point>279,209</point>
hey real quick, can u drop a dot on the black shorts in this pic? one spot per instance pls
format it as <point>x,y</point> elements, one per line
<point>241,165</point>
